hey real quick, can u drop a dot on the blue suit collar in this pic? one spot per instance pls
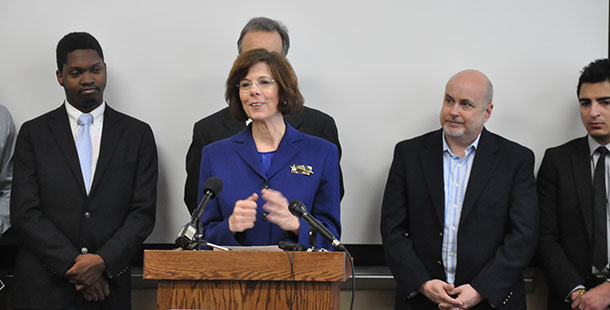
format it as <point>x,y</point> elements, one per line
<point>288,149</point>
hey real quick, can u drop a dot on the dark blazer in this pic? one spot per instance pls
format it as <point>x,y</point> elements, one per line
<point>56,221</point>
<point>222,125</point>
<point>498,224</point>
<point>237,163</point>
<point>565,191</point>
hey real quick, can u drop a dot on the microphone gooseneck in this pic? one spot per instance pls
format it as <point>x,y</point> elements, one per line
<point>299,210</point>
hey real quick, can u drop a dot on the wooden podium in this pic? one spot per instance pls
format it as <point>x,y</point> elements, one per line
<point>246,279</point>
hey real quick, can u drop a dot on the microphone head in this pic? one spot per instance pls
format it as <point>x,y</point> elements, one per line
<point>297,208</point>
<point>213,185</point>
<point>183,242</point>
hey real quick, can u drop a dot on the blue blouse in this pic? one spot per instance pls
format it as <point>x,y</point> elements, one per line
<point>266,158</point>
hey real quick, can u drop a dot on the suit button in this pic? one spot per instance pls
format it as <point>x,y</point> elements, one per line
<point>87,215</point>
<point>84,250</point>
<point>440,234</point>
<point>265,186</point>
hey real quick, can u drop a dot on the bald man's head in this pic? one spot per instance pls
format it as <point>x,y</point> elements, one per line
<point>467,106</point>
<point>476,79</point>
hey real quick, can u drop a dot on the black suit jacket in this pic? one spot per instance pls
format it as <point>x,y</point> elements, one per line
<point>55,219</point>
<point>221,125</point>
<point>565,190</point>
<point>497,229</point>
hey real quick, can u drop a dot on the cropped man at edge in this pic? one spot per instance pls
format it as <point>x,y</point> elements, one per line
<point>459,218</point>
<point>84,192</point>
<point>259,32</point>
<point>8,135</point>
<point>573,196</point>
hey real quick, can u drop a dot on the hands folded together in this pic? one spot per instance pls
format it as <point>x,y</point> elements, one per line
<point>593,299</point>
<point>441,293</point>
<point>244,212</point>
<point>86,275</point>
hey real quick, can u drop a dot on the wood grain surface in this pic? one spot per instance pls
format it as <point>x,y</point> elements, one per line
<point>246,279</point>
<point>247,295</point>
<point>245,265</point>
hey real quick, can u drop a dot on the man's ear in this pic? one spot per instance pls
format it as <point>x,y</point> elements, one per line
<point>60,78</point>
<point>488,109</point>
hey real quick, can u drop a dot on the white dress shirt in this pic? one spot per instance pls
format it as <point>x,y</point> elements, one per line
<point>95,129</point>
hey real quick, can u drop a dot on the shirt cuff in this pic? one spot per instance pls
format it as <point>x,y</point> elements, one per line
<point>578,287</point>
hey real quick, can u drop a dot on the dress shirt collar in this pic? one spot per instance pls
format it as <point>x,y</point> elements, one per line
<point>97,113</point>
<point>469,149</point>
<point>593,145</point>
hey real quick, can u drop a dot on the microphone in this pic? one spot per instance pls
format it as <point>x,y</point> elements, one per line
<point>211,188</point>
<point>298,209</point>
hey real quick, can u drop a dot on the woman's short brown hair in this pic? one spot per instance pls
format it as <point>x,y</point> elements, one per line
<point>290,99</point>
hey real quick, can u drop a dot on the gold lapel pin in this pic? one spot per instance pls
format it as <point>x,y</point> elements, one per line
<point>301,169</point>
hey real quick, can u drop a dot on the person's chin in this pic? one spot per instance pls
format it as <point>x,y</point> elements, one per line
<point>90,103</point>
<point>599,135</point>
<point>453,132</point>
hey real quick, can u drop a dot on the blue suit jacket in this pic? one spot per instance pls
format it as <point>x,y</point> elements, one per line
<point>237,163</point>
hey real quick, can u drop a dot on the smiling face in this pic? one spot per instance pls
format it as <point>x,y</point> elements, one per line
<point>84,79</point>
<point>466,106</point>
<point>594,99</point>
<point>260,100</point>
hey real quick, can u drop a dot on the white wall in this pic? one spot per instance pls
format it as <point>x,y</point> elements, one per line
<point>378,67</point>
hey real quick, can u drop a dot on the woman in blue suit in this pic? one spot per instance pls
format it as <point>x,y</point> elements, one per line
<point>268,163</point>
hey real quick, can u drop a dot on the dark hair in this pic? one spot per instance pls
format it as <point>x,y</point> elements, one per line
<point>269,25</point>
<point>75,41</point>
<point>595,72</point>
<point>290,99</point>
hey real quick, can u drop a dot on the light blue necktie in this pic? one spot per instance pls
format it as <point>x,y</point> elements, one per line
<point>83,147</point>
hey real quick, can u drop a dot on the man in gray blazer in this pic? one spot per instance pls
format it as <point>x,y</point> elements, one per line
<point>8,134</point>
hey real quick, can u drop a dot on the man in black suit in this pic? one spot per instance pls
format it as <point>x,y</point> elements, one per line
<point>459,216</point>
<point>84,192</point>
<point>573,197</point>
<point>259,32</point>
